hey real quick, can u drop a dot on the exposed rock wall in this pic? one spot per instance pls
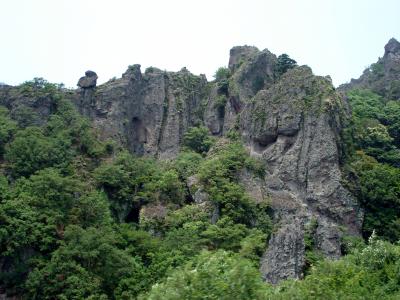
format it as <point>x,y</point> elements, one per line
<point>292,122</point>
<point>294,126</point>
<point>147,112</point>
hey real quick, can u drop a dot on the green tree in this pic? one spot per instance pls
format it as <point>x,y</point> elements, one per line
<point>213,275</point>
<point>198,139</point>
<point>377,187</point>
<point>369,273</point>
<point>284,63</point>
<point>222,76</point>
<point>31,151</point>
<point>87,261</point>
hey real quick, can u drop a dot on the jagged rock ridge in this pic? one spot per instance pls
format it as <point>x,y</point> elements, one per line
<point>292,122</point>
<point>382,77</point>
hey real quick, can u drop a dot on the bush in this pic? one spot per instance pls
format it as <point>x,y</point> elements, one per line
<point>377,187</point>
<point>198,139</point>
<point>213,275</point>
<point>31,151</point>
<point>369,273</point>
<point>222,73</point>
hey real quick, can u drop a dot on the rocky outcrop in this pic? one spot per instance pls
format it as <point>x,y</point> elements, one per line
<point>382,77</point>
<point>88,81</point>
<point>27,106</point>
<point>294,126</point>
<point>292,122</point>
<point>148,113</point>
<point>285,255</point>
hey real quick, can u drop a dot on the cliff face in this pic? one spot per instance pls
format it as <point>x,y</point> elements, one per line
<point>148,113</point>
<point>292,122</point>
<point>294,126</point>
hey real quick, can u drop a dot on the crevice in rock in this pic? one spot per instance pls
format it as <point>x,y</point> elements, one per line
<point>164,117</point>
<point>263,141</point>
<point>133,216</point>
<point>235,104</point>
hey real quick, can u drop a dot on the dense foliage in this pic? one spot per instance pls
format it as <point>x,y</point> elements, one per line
<point>81,218</point>
<point>373,165</point>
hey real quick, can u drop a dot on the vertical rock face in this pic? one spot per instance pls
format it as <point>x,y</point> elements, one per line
<point>285,255</point>
<point>294,126</point>
<point>146,112</point>
<point>292,122</point>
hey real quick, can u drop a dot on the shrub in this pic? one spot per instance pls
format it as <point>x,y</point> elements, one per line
<point>198,139</point>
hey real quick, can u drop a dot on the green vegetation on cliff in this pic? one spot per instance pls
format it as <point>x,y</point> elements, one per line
<point>374,164</point>
<point>81,218</point>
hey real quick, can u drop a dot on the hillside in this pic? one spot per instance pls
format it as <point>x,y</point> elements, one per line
<point>163,185</point>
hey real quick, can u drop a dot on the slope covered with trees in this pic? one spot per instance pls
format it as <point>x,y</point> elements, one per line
<point>83,218</point>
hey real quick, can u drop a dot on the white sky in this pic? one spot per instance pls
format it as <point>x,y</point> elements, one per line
<point>59,40</point>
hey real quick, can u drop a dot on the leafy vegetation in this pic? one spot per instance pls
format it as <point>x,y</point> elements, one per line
<point>284,64</point>
<point>373,166</point>
<point>83,219</point>
<point>197,139</point>
<point>80,218</point>
<point>369,273</point>
<point>212,275</point>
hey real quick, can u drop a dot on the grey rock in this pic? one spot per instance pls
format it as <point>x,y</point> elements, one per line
<point>192,181</point>
<point>28,109</point>
<point>252,70</point>
<point>285,253</point>
<point>200,196</point>
<point>292,123</point>
<point>254,186</point>
<point>148,113</point>
<point>133,73</point>
<point>88,81</point>
<point>393,46</point>
<point>239,54</point>
<point>294,126</point>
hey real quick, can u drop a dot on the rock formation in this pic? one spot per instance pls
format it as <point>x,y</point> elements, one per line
<point>148,113</point>
<point>88,81</point>
<point>292,122</point>
<point>382,77</point>
<point>294,126</point>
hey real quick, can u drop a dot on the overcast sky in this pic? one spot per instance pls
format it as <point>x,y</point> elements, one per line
<point>60,40</point>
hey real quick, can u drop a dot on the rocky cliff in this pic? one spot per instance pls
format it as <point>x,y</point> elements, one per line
<point>291,121</point>
<point>382,77</point>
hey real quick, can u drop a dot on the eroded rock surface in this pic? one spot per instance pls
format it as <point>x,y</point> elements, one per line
<point>148,113</point>
<point>88,81</point>
<point>292,122</point>
<point>294,126</point>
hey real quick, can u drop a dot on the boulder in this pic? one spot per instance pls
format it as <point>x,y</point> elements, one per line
<point>88,81</point>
